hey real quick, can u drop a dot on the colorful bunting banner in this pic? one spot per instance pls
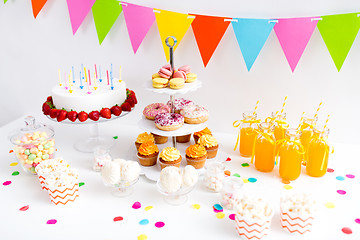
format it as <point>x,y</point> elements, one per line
<point>172,24</point>
<point>294,34</point>
<point>251,35</point>
<point>208,33</point>
<point>338,33</point>
<point>138,20</point>
<point>37,5</point>
<point>78,9</point>
<point>5,1</point>
<point>105,13</point>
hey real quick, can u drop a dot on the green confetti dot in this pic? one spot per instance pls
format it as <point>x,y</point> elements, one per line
<point>115,137</point>
<point>245,164</point>
<point>236,175</point>
<point>15,173</point>
<point>81,184</point>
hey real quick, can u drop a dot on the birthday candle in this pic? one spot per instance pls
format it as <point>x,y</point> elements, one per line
<point>73,74</point>
<point>111,79</point>
<point>70,90</point>
<point>89,77</point>
<point>66,87</point>
<point>100,74</point>
<point>95,87</point>
<point>96,76</point>
<point>81,86</point>
<point>107,73</point>
<point>82,67</point>
<point>120,74</point>
<point>85,74</point>
<point>60,78</point>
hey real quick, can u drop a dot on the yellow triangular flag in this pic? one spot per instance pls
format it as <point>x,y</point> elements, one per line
<point>172,24</point>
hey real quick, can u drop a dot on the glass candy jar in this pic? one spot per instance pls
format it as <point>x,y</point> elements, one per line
<point>33,143</point>
<point>214,176</point>
<point>231,192</point>
<point>101,156</point>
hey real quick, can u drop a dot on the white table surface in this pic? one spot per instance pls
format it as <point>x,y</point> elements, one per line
<point>91,215</point>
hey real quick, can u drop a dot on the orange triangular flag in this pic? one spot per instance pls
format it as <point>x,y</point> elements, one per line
<point>37,5</point>
<point>208,33</point>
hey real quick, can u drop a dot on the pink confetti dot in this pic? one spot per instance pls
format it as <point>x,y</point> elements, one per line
<point>24,208</point>
<point>136,205</point>
<point>6,183</point>
<point>357,220</point>
<point>350,176</point>
<point>159,224</point>
<point>330,170</point>
<point>346,230</point>
<point>51,221</point>
<point>232,216</point>
<point>342,192</point>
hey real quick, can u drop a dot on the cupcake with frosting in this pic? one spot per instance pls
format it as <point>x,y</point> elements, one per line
<point>210,143</point>
<point>196,156</point>
<point>148,153</point>
<point>197,135</point>
<point>160,139</point>
<point>169,156</point>
<point>144,137</point>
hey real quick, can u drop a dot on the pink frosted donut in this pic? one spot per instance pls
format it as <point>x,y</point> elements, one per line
<point>180,103</point>
<point>153,109</point>
<point>195,114</point>
<point>169,121</point>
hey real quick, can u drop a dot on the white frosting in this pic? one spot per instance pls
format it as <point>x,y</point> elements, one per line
<point>194,111</point>
<point>300,203</point>
<point>130,171</point>
<point>79,100</point>
<point>111,173</point>
<point>189,176</point>
<point>170,179</point>
<point>255,209</point>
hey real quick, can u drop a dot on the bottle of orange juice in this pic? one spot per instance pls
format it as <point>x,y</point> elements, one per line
<point>318,152</point>
<point>291,154</point>
<point>248,132</point>
<point>265,148</point>
<point>307,131</point>
<point>280,124</point>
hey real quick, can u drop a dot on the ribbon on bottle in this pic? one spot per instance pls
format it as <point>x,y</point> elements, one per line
<point>237,124</point>
<point>267,136</point>
<point>300,148</point>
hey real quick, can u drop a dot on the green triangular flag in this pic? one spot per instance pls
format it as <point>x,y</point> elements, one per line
<point>105,13</point>
<point>339,33</point>
<point>5,1</point>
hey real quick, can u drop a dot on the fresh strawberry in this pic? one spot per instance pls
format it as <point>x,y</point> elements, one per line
<point>49,99</point>
<point>82,116</point>
<point>131,101</point>
<point>105,113</point>
<point>61,115</point>
<point>54,113</point>
<point>126,107</point>
<point>132,92</point>
<point>134,97</point>
<point>116,110</point>
<point>46,108</point>
<point>94,115</point>
<point>72,116</point>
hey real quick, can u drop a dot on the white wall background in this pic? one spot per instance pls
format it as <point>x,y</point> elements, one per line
<point>31,51</point>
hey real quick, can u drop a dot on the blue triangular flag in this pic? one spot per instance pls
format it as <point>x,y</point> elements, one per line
<point>251,35</point>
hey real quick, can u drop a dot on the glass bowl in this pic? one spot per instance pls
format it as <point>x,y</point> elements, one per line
<point>177,198</point>
<point>123,188</point>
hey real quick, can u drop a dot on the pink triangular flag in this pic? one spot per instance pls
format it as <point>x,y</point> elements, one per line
<point>138,20</point>
<point>294,34</point>
<point>78,9</point>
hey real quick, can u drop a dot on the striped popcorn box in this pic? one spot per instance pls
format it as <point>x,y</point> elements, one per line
<point>63,186</point>
<point>252,229</point>
<point>47,166</point>
<point>296,223</point>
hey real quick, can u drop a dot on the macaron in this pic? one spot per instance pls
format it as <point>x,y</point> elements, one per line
<point>160,82</point>
<point>185,68</point>
<point>191,77</point>
<point>165,73</point>
<point>155,75</point>
<point>179,74</point>
<point>177,83</point>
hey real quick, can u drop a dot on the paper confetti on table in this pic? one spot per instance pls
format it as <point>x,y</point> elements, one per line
<point>24,208</point>
<point>51,221</point>
<point>245,180</point>
<point>11,151</point>
<point>195,206</point>
<point>340,178</point>
<point>13,164</point>
<point>346,230</point>
<point>232,216</point>
<point>252,180</point>
<point>148,208</point>
<point>220,215</point>
<point>330,205</point>
<point>115,137</point>
<point>350,176</point>
<point>330,170</point>
<point>342,192</point>
<point>357,220</point>
<point>144,222</point>
<point>236,175</point>
<point>6,183</point>
<point>159,224</point>
<point>142,237</point>
<point>245,165</point>
<point>285,181</point>
<point>218,207</point>
<point>15,173</point>
<point>119,218</point>
<point>81,184</point>
<point>136,205</point>
<point>228,159</point>
<point>227,172</point>
<point>288,187</point>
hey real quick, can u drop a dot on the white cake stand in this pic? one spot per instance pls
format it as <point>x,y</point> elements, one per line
<point>88,144</point>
